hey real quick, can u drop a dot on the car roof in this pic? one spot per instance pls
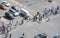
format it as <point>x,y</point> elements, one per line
<point>10,14</point>
<point>26,11</point>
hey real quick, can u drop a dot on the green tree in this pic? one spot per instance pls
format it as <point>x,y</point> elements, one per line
<point>50,0</point>
<point>0,17</point>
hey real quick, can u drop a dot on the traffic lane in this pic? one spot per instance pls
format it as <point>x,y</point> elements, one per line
<point>27,2</point>
<point>35,6</point>
<point>49,28</point>
<point>35,28</point>
<point>57,22</point>
<point>22,29</point>
<point>57,1</point>
<point>32,31</point>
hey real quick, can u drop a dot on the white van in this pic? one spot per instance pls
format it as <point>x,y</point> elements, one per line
<point>24,13</point>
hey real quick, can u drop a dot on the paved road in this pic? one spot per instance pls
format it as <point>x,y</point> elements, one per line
<point>50,28</point>
<point>31,29</point>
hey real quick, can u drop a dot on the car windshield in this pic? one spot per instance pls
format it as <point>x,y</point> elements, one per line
<point>15,8</point>
<point>5,3</point>
<point>11,11</point>
<point>23,12</point>
<point>10,15</point>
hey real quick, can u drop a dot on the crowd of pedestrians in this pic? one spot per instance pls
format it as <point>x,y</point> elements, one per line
<point>46,13</point>
<point>37,17</point>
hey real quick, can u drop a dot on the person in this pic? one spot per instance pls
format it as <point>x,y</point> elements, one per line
<point>9,24</point>
<point>21,22</point>
<point>23,34</point>
<point>35,18</point>
<point>28,18</point>
<point>7,30</point>
<point>49,10</point>
<point>37,13</point>
<point>55,11</point>
<point>40,18</point>
<point>3,28</point>
<point>45,12</point>
<point>57,7</point>
<point>16,24</point>
<point>52,9</point>
<point>0,28</point>
<point>10,36</point>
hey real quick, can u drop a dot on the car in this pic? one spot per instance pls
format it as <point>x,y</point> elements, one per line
<point>9,15</point>
<point>3,7</point>
<point>24,13</point>
<point>37,37</point>
<point>15,13</point>
<point>42,35</point>
<point>15,8</point>
<point>6,3</point>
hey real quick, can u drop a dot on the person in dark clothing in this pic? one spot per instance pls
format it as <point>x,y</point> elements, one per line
<point>10,36</point>
<point>23,34</point>
<point>3,28</point>
<point>38,13</point>
<point>34,18</point>
<point>57,7</point>
<point>40,17</point>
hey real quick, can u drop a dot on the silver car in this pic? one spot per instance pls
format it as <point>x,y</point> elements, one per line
<point>15,10</point>
<point>6,3</point>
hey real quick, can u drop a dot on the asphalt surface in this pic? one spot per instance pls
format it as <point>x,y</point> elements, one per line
<point>30,29</point>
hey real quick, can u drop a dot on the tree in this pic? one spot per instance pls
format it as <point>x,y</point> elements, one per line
<point>50,1</point>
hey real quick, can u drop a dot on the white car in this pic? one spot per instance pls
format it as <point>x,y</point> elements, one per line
<point>6,3</point>
<point>24,12</point>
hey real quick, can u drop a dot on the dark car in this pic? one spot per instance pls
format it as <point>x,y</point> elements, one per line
<point>9,15</point>
<point>43,35</point>
<point>15,8</point>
